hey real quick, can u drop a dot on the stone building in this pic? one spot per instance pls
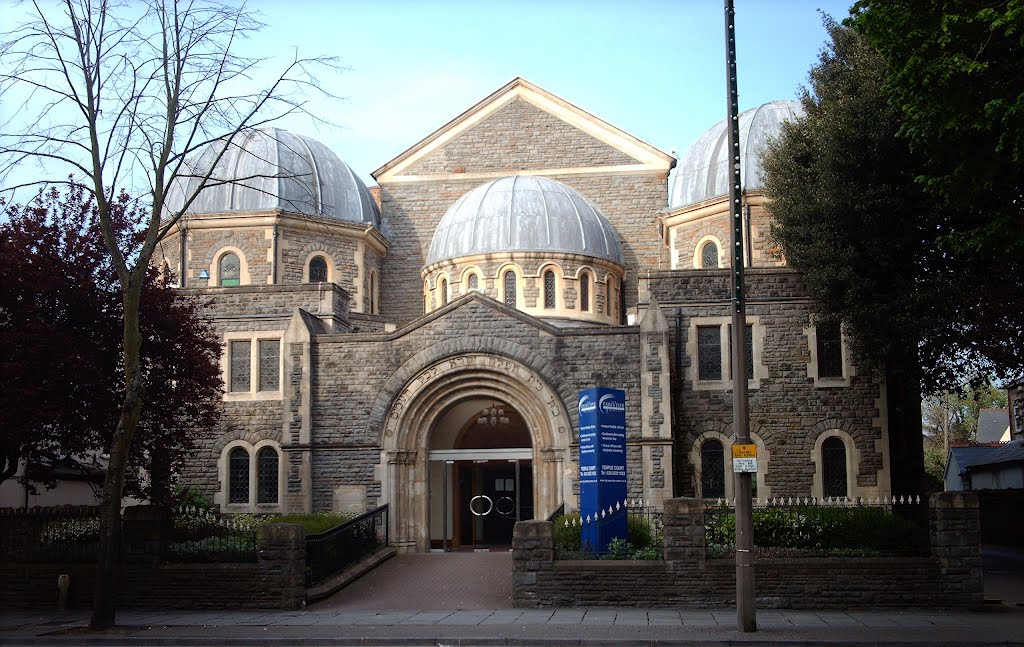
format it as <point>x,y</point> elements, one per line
<point>426,349</point>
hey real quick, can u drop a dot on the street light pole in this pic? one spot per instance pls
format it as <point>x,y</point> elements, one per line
<point>745,614</point>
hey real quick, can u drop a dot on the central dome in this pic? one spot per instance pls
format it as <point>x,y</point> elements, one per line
<point>524,214</point>
<point>272,169</point>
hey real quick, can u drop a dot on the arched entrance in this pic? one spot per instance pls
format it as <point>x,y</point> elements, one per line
<point>433,413</point>
<point>481,476</point>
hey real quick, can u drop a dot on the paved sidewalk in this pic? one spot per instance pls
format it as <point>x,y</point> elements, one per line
<point>1001,625</point>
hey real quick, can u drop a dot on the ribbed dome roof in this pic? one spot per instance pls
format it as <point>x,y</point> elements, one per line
<point>524,214</point>
<point>702,172</point>
<point>271,169</point>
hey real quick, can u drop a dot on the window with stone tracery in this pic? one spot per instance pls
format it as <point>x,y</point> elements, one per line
<point>549,290</point>
<point>266,475</point>
<point>230,270</point>
<point>238,476</point>
<point>510,288</point>
<point>712,469</point>
<point>833,467</point>
<point>318,270</point>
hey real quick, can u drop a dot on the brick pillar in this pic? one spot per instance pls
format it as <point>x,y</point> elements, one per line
<point>956,542</point>
<point>282,556</point>
<point>145,529</point>
<point>684,530</point>
<point>533,551</point>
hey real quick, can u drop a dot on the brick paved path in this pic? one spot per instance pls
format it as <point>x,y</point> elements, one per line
<point>443,581</point>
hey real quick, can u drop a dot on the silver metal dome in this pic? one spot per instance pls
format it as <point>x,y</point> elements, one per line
<point>524,214</point>
<point>271,169</point>
<point>702,173</point>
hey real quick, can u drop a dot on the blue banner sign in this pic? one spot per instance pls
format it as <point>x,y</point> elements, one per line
<point>602,436</point>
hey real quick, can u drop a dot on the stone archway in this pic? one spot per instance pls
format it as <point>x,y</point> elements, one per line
<point>425,397</point>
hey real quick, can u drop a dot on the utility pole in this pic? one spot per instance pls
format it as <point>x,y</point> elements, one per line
<point>746,619</point>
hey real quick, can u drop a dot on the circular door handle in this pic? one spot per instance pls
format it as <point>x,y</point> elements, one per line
<point>490,505</point>
<point>511,506</point>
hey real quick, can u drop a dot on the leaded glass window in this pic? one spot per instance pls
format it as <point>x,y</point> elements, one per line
<point>444,291</point>
<point>709,352</point>
<point>585,293</point>
<point>712,470</point>
<point>833,460</point>
<point>474,282</point>
<point>510,288</point>
<point>608,297</point>
<point>266,475</point>
<point>549,289</point>
<point>709,255</point>
<point>318,270</point>
<point>230,270</point>
<point>270,364</point>
<point>238,476</point>
<point>241,365</point>
<point>830,350</point>
<point>749,339</point>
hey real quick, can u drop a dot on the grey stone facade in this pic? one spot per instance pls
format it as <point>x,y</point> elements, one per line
<point>367,403</point>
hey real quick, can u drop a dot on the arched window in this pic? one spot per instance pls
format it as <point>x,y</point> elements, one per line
<point>474,282</point>
<point>833,458</point>
<point>709,255</point>
<point>549,290</point>
<point>266,475</point>
<point>230,270</point>
<point>608,296</point>
<point>712,470</point>
<point>426,297</point>
<point>584,292</point>
<point>510,288</point>
<point>318,270</point>
<point>238,476</point>
<point>444,291</point>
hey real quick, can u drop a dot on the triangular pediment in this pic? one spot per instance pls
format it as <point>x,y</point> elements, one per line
<point>480,301</point>
<point>522,129</point>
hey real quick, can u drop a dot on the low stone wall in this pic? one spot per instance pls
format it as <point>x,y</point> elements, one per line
<point>950,577</point>
<point>276,580</point>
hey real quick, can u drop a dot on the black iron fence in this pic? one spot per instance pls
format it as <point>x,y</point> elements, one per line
<point>58,535</point>
<point>328,553</point>
<point>839,527</point>
<point>198,536</point>
<point>644,533</point>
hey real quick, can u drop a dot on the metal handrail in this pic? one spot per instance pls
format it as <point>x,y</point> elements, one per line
<point>351,522</point>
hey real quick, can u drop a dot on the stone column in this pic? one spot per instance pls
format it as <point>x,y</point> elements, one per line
<point>684,531</point>
<point>956,542</point>
<point>655,405</point>
<point>282,557</point>
<point>533,552</point>
<point>145,529</point>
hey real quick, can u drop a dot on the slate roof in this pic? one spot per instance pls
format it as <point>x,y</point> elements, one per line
<point>992,424</point>
<point>974,455</point>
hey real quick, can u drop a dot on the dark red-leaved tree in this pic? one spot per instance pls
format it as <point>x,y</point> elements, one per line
<point>60,346</point>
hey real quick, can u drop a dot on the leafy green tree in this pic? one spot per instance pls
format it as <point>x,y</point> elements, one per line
<point>849,214</point>
<point>956,71</point>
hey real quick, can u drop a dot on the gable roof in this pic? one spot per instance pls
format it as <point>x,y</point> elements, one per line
<point>647,156</point>
<point>993,424</point>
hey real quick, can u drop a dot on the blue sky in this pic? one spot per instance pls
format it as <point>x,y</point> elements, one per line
<point>652,68</point>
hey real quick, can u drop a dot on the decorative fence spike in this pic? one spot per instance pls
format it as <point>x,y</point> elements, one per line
<point>918,499</point>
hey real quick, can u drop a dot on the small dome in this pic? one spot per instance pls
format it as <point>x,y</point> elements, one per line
<point>702,172</point>
<point>270,169</point>
<point>524,214</point>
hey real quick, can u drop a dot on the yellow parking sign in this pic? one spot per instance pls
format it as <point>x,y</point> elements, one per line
<point>744,458</point>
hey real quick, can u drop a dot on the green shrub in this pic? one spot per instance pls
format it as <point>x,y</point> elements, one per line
<point>567,538</point>
<point>314,522</point>
<point>638,531</point>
